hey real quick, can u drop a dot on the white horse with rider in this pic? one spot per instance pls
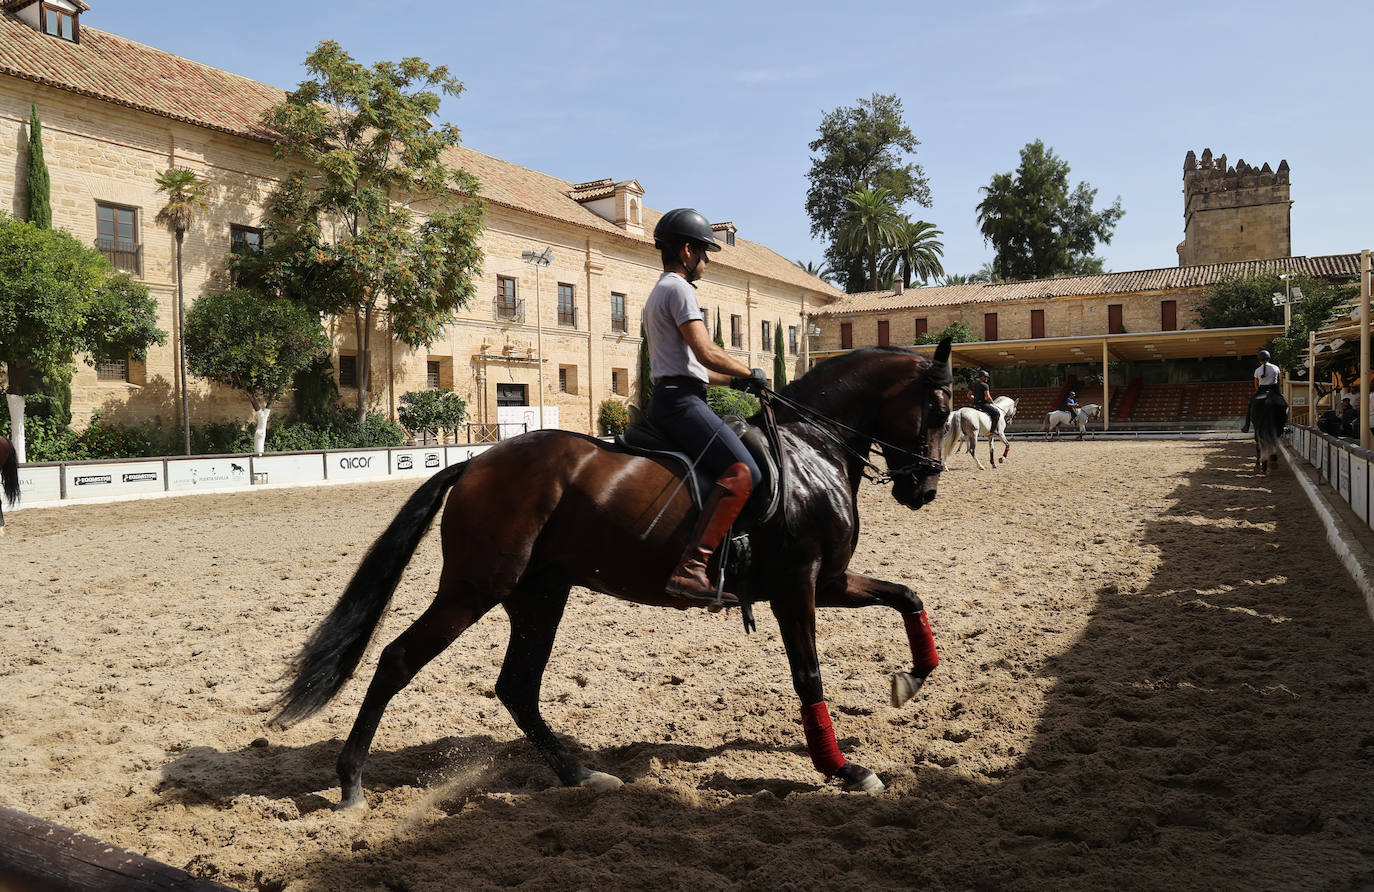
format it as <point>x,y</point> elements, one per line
<point>1053,420</point>
<point>965,426</point>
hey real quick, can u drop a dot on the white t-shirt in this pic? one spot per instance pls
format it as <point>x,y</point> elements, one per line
<point>672,302</point>
<point>1267,373</point>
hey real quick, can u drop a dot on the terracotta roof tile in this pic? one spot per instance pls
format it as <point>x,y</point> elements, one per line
<point>122,71</point>
<point>1173,278</point>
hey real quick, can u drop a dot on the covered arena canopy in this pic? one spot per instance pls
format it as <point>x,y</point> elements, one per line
<point>1132,347</point>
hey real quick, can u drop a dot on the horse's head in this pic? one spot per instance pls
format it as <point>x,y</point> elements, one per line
<point>911,424</point>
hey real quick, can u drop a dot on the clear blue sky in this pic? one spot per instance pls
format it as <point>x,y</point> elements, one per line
<point>713,105</point>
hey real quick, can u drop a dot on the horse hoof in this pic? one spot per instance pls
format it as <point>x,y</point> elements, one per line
<point>601,782</point>
<point>354,805</point>
<point>858,779</point>
<point>904,687</point>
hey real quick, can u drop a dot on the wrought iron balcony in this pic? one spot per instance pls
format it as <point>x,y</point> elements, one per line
<point>124,254</point>
<point>509,309</point>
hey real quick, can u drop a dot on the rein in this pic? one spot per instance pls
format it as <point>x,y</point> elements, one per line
<point>921,464</point>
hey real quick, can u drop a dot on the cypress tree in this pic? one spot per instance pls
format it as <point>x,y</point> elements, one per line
<point>779,359</point>
<point>720,341</point>
<point>40,201</point>
<point>646,383</point>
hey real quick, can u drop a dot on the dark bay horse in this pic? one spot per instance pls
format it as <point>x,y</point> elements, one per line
<point>1269,414</point>
<point>9,476</point>
<point>535,515</point>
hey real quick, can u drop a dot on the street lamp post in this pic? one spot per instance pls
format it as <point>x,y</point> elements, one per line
<point>539,259</point>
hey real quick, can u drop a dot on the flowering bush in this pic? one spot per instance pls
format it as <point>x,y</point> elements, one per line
<point>614,417</point>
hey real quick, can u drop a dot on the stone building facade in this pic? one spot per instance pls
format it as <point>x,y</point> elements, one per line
<point>116,113</point>
<point>1234,213</point>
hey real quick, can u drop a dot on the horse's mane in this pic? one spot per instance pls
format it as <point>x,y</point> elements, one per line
<point>838,376</point>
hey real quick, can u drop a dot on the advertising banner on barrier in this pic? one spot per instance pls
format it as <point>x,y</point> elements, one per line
<point>417,462</point>
<point>308,468</point>
<point>122,479</point>
<point>1359,486</point>
<point>43,484</point>
<point>207,473</point>
<point>458,454</point>
<point>358,465</point>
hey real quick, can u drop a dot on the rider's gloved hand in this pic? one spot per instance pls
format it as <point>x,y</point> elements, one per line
<point>754,383</point>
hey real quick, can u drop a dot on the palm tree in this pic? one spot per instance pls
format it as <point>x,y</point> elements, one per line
<point>916,253</point>
<point>185,195</point>
<point>869,226</point>
<point>819,270</point>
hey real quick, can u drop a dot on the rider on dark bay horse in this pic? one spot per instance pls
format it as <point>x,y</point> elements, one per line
<point>982,399</point>
<point>683,361</point>
<point>1266,381</point>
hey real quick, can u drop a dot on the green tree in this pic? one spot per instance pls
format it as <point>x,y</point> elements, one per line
<point>1036,226</point>
<point>719,338</point>
<point>870,227</point>
<point>377,219</point>
<point>779,358</point>
<point>185,197</point>
<point>1239,301</point>
<point>865,146</point>
<point>432,409</point>
<point>36,182</point>
<point>58,299</point>
<point>915,253</point>
<point>253,344</point>
<point>646,381</point>
<point>958,332</point>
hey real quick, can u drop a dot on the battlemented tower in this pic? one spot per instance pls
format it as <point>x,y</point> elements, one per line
<point>1234,213</point>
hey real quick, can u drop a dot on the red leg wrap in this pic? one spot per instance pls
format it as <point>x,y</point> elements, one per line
<point>923,653</point>
<point>820,739</point>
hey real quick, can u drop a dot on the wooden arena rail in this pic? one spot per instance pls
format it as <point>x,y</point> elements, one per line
<point>39,855</point>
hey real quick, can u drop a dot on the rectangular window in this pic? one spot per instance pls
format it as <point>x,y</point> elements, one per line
<point>792,339</point>
<point>736,331</point>
<point>1168,315</point>
<point>620,382</point>
<point>883,340</point>
<point>508,307</point>
<point>1114,325</point>
<point>432,374</point>
<point>766,329</point>
<point>846,336</point>
<point>116,234</point>
<point>1037,323</point>
<point>512,395</point>
<point>922,326</point>
<point>619,322</point>
<point>562,379</point>
<point>59,22</point>
<point>989,326</point>
<point>567,305</point>
<point>112,370</point>
<point>245,239</point>
<point>348,370</point>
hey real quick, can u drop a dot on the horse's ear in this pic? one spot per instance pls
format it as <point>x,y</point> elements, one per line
<point>940,372</point>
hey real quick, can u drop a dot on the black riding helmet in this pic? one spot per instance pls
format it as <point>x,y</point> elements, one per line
<point>1264,356</point>
<point>684,225</point>
<point>982,373</point>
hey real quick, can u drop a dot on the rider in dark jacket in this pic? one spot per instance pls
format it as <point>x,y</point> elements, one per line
<point>1071,406</point>
<point>982,399</point>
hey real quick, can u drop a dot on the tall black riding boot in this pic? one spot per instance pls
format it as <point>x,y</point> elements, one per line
<point>722,506</point>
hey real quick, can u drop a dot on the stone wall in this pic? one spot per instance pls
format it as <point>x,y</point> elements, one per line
<point>1231,213</point>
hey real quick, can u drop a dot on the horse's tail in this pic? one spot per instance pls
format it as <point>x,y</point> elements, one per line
<point>9,477</point>
<point>337,645</point>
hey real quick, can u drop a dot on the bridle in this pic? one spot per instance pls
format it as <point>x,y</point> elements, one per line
<point>920,464</point>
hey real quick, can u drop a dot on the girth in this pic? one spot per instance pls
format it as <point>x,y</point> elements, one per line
<point>642,438</point>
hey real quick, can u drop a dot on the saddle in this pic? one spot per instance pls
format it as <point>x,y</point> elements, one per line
<point>642,438</point>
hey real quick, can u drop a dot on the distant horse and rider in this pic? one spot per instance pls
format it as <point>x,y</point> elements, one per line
<point>1060,417</point>
<point>968,425</point>
<point>1267,412</point>
<point>9,477</point>
<point>575,510</point>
